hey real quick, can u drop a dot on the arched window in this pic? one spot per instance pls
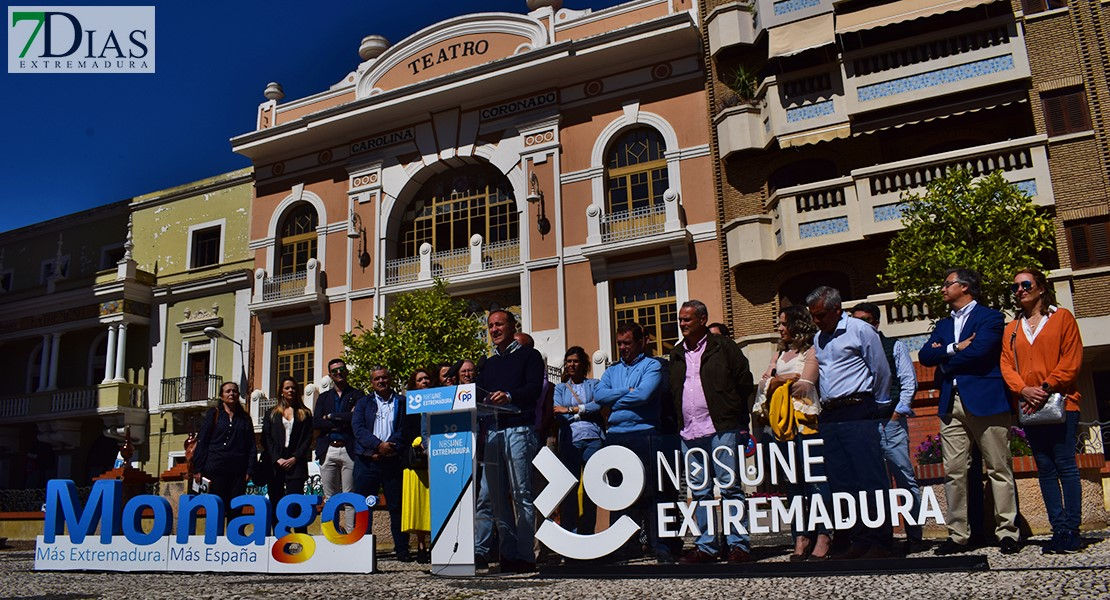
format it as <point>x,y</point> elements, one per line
<point>98,358</point>
<point>636,171</point>
<point>453,206</point>
<point>298,239</point>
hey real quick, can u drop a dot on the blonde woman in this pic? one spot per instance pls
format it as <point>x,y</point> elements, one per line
<point>287,441</point>
<point>793,413</point>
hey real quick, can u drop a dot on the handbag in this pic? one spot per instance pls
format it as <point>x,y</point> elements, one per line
<point>1053,410</point>
<point>263,469</point>
<point>416,457</point>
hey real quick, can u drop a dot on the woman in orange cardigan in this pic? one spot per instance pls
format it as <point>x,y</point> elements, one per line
<point>1041,355</point>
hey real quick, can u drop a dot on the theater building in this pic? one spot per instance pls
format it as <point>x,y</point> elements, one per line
<point>555,163</point>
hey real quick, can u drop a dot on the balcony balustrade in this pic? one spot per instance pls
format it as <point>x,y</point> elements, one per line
<point>475,258</point>
<point>179,391</point>
<point>869,201</point>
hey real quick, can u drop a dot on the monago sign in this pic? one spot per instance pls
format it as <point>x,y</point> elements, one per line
<point>124,545</point>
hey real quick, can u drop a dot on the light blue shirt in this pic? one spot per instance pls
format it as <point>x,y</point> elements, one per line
<point>579,430</point>
<point>903,370</point>
<point>633,393</point>
<point>850,360</point>
<point>383,421</point>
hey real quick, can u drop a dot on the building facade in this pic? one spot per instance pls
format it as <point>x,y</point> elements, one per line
<point>197,249</point>
<point>827,112</point>
<point>554,163</point>
<point>73,336</point>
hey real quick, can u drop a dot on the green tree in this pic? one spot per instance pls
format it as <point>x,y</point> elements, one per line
<point>421,328</point>
<point>985,224</point>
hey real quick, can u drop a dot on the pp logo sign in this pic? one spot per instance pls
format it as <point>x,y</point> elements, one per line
<point>561,482</point>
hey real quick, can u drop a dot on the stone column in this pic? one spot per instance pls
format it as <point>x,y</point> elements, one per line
<point>52,383</point>
<point>121,353</point>
<point>110,355</point>
<point>44,362</point>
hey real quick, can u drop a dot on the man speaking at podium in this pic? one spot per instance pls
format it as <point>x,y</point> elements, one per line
<point>512,377</point>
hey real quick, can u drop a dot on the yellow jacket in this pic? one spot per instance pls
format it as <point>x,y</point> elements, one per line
<point>790,416</point>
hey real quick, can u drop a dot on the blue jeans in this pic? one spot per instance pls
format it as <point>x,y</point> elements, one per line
<point>387,475</point>
<point>808,490</point>
<point>507,482</point>
<point>895,438</point>
<point>574,455</point>
<point>644,444</point>
<point>483,517</point>
<point>707,542</point>
<point>854,463</point>
<point>1054,450</point>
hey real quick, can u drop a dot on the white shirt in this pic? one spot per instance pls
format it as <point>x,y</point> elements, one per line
<point>959,318</point>
<point>1030,333</point>
<point>288,424</point>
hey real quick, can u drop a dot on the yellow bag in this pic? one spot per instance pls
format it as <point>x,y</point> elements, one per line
<point>780,414</point>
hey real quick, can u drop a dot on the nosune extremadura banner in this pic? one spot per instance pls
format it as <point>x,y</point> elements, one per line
<point>127,542</point>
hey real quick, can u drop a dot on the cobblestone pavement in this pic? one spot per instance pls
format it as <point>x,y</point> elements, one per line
<point>1027,574</point>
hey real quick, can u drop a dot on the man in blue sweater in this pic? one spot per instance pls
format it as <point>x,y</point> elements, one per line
<point>513,376</point>
<point>632,390</point>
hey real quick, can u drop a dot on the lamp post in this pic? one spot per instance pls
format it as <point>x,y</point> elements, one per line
<point>212,333</point>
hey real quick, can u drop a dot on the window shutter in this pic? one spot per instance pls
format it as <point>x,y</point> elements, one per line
<point>1054,118</point>
<point>1066,112</point>
<point>1100,242</point>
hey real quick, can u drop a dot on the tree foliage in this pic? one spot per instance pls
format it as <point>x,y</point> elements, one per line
<point>985,224</point>
<point>420,329</point>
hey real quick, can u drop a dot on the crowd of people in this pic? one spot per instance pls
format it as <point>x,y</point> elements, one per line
<point>834,377</point>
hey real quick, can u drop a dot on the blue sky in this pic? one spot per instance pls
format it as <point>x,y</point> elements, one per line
<point>75,141</point>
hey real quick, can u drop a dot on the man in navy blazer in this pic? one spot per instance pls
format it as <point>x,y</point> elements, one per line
<point>335,441</point>
<point>974,408</point>
<point>379,439</point>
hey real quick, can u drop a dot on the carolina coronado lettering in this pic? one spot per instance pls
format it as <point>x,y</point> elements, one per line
<point>383,140</point>
<point>448,53</point>
<point>516,106</point>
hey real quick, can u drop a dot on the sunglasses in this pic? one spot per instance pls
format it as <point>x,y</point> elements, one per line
<point>1024,285</point>
<point>339,371</point>
<point>948,283</point>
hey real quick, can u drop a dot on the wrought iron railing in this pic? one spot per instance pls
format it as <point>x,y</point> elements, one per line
<point>191,389</point>
<point>289,285</point>
<point>501,254</point>
<point>402,270</point>
<point>451,262</point>
<point>635,223</point>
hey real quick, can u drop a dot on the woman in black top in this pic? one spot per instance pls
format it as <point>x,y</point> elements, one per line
<point>225,452</point>
<point>287,441</point>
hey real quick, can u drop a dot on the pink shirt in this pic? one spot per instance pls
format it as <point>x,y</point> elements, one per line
<point>695,412</point>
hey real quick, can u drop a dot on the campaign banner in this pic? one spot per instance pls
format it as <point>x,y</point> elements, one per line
<point>451,453</point>
<point>105,533</point>
<point>442,399</point>
<point>94,555</point>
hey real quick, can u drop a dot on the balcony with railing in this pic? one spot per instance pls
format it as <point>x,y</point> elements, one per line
<point>48,404</point>
<point>180,393</point>
<point>868,201</point>
<point>477,257</point>
<point>300,289</point>
<point>977,55</point>
<point>640,228</point>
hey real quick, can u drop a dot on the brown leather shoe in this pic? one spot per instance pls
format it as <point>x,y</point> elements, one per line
<point>697,557</point>
<point>737,556</point>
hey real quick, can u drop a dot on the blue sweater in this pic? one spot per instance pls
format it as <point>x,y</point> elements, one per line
<point>519,374</point>
<point>633,393</point>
